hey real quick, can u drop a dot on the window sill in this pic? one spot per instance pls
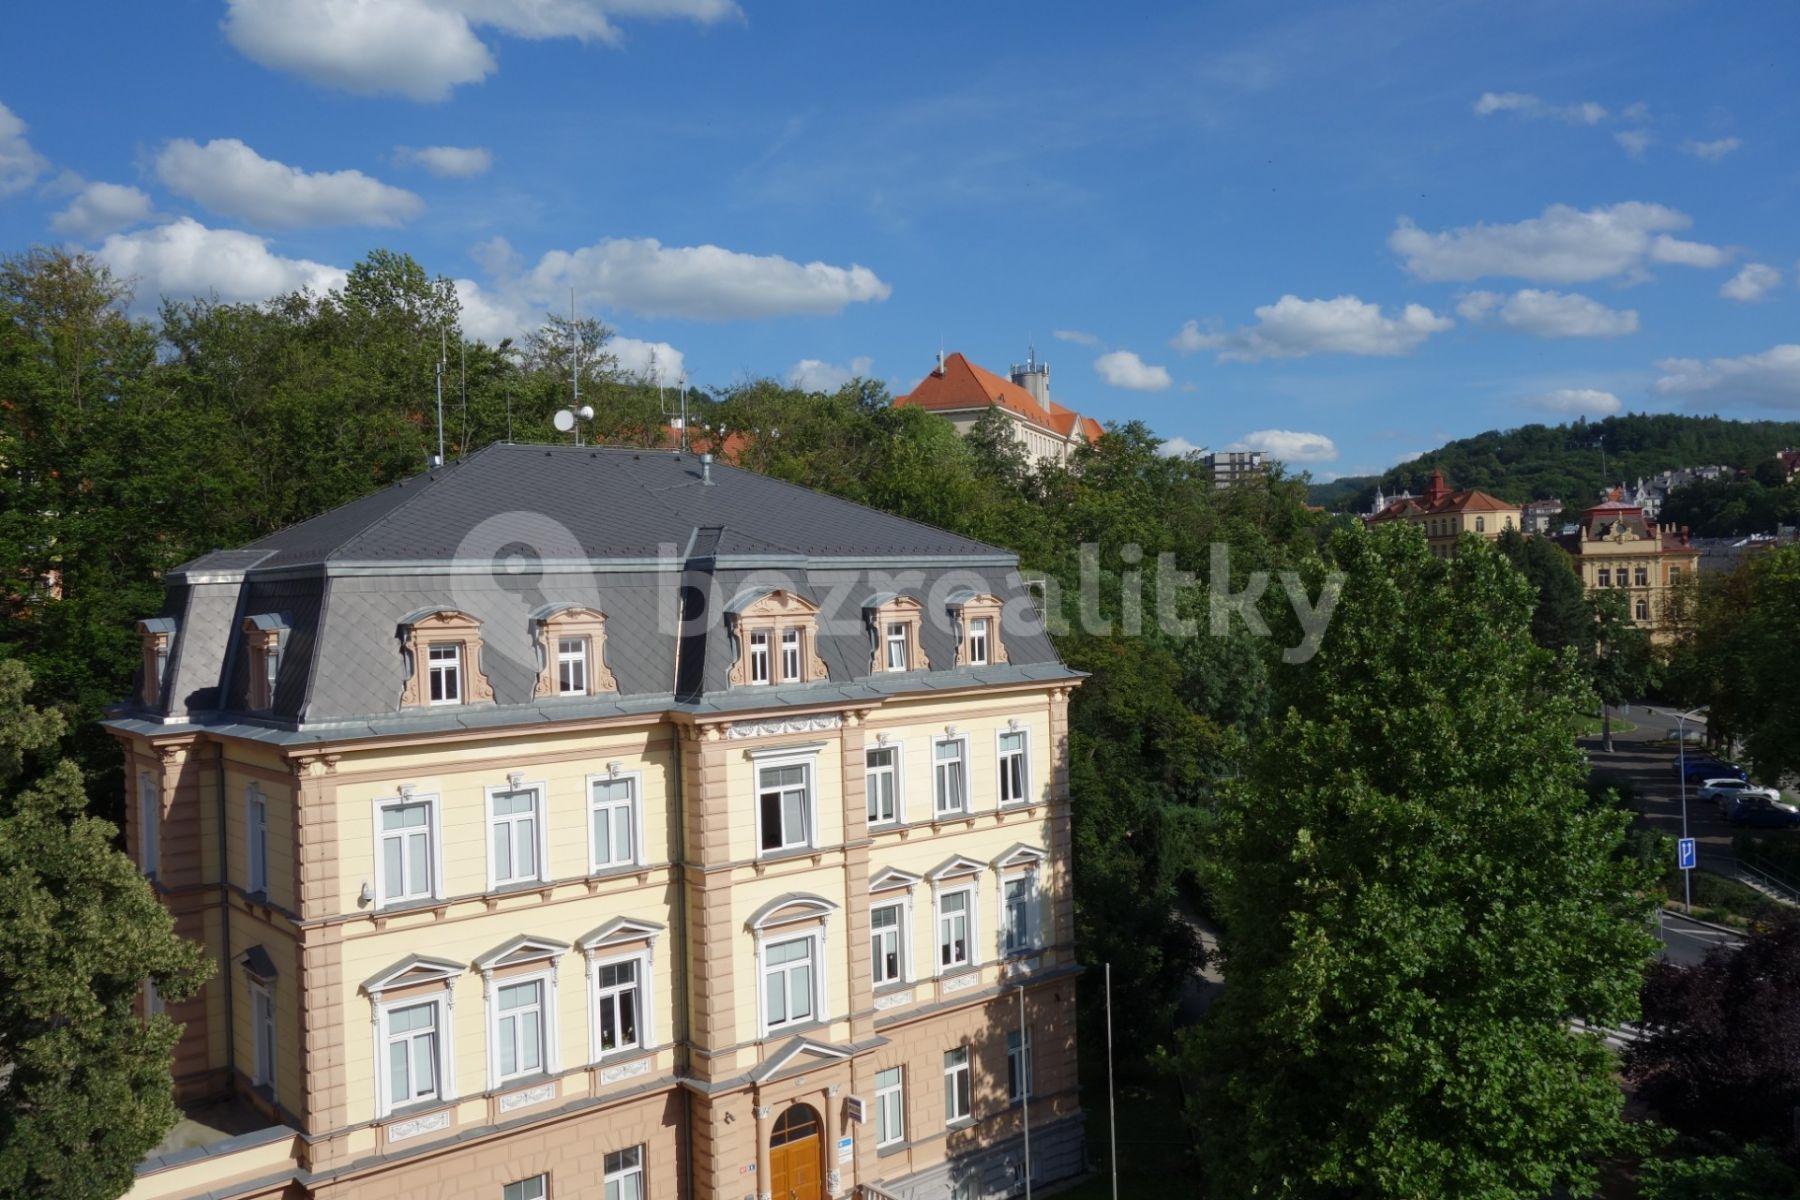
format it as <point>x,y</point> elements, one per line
<point>892,986</point>
<point>959,1124</point>
<point>893,1148</point>
<point>771,858</point>
<point>793,1029</point>
<point>516,1082</point>
<point>417,1108</point>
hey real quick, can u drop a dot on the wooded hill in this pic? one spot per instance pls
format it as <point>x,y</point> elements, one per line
<point>1572,462</point>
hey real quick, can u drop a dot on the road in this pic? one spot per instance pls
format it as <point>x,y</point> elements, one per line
<point>1646,757</point>
<point>1686,942</point>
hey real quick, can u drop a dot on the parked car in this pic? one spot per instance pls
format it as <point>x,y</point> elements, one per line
<point>1760,812</point>
<point>1729,790</point>
<point>1700,768</point>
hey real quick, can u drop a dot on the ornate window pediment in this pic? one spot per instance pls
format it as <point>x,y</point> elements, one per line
<point>955,867</point>
<point>520,951</point>
<point>792,909</point>
<point>413,971</point>
<point>894,623</point>
<point>1019,856</point>
<point>892,879</point>
<point>777,635</point>
<point>977,618</point>
<point>443,651</point>
<point>620,931</point>
<point>572,650</point>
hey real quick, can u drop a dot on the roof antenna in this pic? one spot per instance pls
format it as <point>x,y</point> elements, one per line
<point>439,460</point>
<point>570,418</point>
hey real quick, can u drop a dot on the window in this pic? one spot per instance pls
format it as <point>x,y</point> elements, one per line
<point>1674,574</point>
<point>890,1107</point>
<point>535,1188</point>
<point>153,1001</point>
<point>256,839</point>
<point>262,1029</point>
<point>1480,524</point>
<point>618,1000</point>
<point>149,824</point>
<point>1018,1064</point>
<point>882,782</point>
<point>571,666</point>
<point>1020,896</point>
<point>625,1174</point>
<point>954,911</point>
<point>790,656</point>
<point>978,642</point>
<point>788,982</point>
<point>956,1085</point>
<point>759,657</point>
<point>404,860</point>
<point>612,820</point>
<point>514,831</point>
<point>1605,576</point>
<point>444,660</point>
<point>951,777</point>
<point>519,1029</point>
<point>409,1040</point>
<point>896,647</point>
<point>265,663</point>
<point>1641,576</point>
<point>1643,610</point>
<point>785,806</point>
<point>887,941</point>
<point>1012,767</point>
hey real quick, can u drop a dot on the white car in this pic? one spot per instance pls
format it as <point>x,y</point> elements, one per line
<point>1726,792</point>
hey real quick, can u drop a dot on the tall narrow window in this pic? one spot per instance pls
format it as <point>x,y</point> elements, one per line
<point>1605,576</point>
<point>788,973</point>
<point>887,926</point>
<point>953,928</point>
<point>613,817</point>
<point>514,836</point>
<point>572,666</point>
<point>956,1085</point>
<point>619,999</point>
<point>404,857</point>
<point>1643,610</point>
<point>410,1044</point>
<point>881,781</point>
<point>1480,524</point>
<point>790,656</point>
<point>262,1027</point>
<point>149,824</point>
<point>1018,1064</point>
<point>759,657</point>
<point>535,1188</point>
<point>890,1106</point>
<point>1640,576</point>
<point>1012,767</point>
<point>978,642</point>
<point>519,1030</point>
<point>896,647</point>
<point>445,662</point>
<point>1019,894</point>
<point>256,840</point>
<point>951,778</point>
<point>625,1174</point>
<point>784,804</point>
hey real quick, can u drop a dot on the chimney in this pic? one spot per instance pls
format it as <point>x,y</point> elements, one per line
<point>939,369</point>
<point>706,470</point>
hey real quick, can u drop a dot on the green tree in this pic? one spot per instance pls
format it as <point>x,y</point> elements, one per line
<point>85,1090</point>
<point>1418,897</point>
<point>1561,618</point>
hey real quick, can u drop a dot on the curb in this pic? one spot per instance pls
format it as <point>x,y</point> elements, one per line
<point>1667,913</point>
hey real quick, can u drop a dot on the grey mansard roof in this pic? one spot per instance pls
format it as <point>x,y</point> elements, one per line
<point>514,532</point>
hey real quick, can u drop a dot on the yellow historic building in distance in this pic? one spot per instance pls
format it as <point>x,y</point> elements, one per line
<point>1616,546</point>
<point>1446,515</point>
<point>574,822</point>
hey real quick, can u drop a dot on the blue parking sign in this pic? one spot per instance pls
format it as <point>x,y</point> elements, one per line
<point>1686,855</point>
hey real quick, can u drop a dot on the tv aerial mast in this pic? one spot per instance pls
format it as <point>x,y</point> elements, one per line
<point>569,419</point>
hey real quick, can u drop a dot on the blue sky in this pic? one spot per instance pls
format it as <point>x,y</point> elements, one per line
<point>1345,236</point>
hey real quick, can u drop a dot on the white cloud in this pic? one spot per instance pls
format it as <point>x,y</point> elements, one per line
<point>1079,337</point>
<point>1524,104</point>
<point>1634,141</point>
<point>815,375</point>
<point>230,178</point>
<point>1570,402</point>
<point>1123,368</point>
<point>1177,447</point>
<point>185,258</point>
<point>654,362</point>
<point>1711,151</point>
<point>492,316</point>
<point>101,208</point>
<point>423,49</point>
<point>1550,314</point>
<point>1288,446</point>
<point>703,282</point>
<point>1754,282</point>
<point>1771,377</point>
<point>447,162</point>
<point>1562,245</point>
<point>20,165</point>
<point>1293,328</point>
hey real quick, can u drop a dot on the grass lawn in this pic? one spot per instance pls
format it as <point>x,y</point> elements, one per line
<point>1589,726</point>
<point>1722,901</point>
<point>1153,1141</point>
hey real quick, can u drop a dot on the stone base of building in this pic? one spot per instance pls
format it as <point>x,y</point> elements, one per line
<point>1058,1152</point>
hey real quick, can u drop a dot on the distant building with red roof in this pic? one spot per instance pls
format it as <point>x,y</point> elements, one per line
<point>962,392</point>
<point>1617,546</point>
<point>1447,515</point>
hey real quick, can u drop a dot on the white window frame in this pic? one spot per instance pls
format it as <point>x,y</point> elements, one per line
<point>971,940</point>
<point>572,666</point>
<point>634,808</point>
<point>897,656</point>
<point>793,654</point>
<point>896,1091</point>
<point>385,1101</point>
<point>760,653</point>
<point>256,840</point>
<point>765,941</point>
<point>1023,754</point>
<point>149,824</point>
<point>902,935</point>
<point>1031,941</point>
<point>646,1033</point>
<point>807,762</point>
<point>271,669</point>
<point>434,889</point>
<point>631,1163</point>
<point>539,814</point>
<point>540,1181</point>
<point>263,1046</point>
<point>965,1093</point>
<point>938,811</point>
<point>980,635</point>
<point>434,667</point>
<point>899,774</point>
<point>547,1058</point>
<point>1019,1065</point>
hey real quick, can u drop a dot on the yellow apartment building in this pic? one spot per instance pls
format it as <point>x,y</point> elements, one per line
<point>1446,515</point>
<point>583,823</point>
<point>1616,546</point>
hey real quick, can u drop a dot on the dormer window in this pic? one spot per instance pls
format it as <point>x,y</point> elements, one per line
<point>263,634</point>
<point>155,636</point>
<point>572,652</point>
<point>443,650</point>
<point>977,618</point>
<point>790,656</point>
<point>446,672</point>
<point>894,622</point>
<point>978,642</point>
<point>896,647</point>
<point>571,666</point>
<point>767,621</point>
<point>759,657</point>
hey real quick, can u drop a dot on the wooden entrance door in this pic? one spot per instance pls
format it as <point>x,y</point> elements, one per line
<point>795,1152</point>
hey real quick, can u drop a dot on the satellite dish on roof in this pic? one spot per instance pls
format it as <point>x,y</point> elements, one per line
<point>564,420</point>
<point>585,412</point>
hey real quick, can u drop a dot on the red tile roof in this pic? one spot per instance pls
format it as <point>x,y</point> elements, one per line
<point>1472,500</point>
<point>962,385</point>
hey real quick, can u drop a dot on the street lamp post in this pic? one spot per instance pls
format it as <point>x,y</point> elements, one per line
<point>1687,887</point>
